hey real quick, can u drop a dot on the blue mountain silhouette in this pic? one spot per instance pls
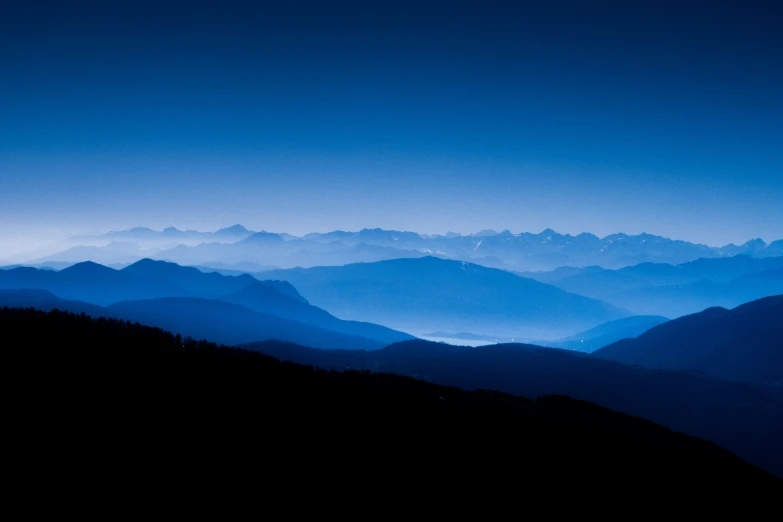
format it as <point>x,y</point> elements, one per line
<point>148,280</point>
<point>745,343</point>
<point>232,324</point>
<point>429,294</point>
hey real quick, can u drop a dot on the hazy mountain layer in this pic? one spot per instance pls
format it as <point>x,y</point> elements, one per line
<point>431,294</point>
<point>149,280</point>
<point>674,290</point>
<point>607,333</point>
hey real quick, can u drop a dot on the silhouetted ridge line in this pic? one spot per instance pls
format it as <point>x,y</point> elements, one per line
<point>142,402</point>
<point>744,418</point>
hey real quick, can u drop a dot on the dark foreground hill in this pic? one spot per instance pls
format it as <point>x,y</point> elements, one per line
<point>743,418</point>
<point>138,413</point>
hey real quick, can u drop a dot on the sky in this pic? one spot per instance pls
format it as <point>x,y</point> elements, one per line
<point>587,116</point>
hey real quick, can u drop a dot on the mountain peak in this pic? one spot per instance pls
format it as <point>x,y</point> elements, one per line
<point>86,265</point>
<point>147,262</point>
<point>233,229</point>
<point>264,237</point>
<point>758,243</point>
<point>154,267</point>
<point>486,232</point>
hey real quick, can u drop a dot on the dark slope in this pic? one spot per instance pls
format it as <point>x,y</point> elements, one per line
<point>745,343</point>
<point>193,282</point>
<point>190,281</point>
<point>270,297</point>
<point>144,279</point>
<point>429,294</point>
<point>140,405</point>
<point>27,277</point>
<point>46,301</point>
<point>607,333</point>
<point>285,288</point>
<point>229,323</point>
<point>89,282</point>
<point>654,347</point>
<point>747,420</point>
<point>232,324</point>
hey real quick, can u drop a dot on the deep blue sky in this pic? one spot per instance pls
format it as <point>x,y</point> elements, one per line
<point>427,116</point>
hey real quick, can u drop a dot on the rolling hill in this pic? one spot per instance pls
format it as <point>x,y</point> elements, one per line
<point>89,282</point>
<point>46,301</point>
<point>231,324</point>
<point>746,419</point>
<point>744,343</point>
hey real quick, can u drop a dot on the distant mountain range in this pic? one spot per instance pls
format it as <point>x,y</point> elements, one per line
<point>525,251</point>
<point>149,237</point>
<point>430,294</point>
<point>229,309</point>
<point>273,249</point>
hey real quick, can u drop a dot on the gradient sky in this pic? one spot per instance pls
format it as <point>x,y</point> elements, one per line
<point>603,117</point>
